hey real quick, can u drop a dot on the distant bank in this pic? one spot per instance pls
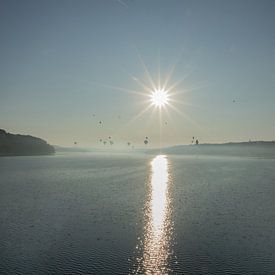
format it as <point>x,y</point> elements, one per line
<point>265,149</point>
<point>23,145</point>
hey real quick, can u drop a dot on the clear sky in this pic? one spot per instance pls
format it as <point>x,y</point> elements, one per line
<point>60,62</point>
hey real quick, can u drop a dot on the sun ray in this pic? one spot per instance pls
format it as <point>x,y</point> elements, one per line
<point>160,129</point>
<point>147,73</point>
<point>168,76</point>
<point>120,129</point>
<point>122,89</point>
<point>183,103</point>
<point>188,90</point>
<point>185,116</point>
<point>138,81</point>
<point>159,76</point>
<point>171,122</point>
<point>172,69</point>
<point>138,116</point>
<point>148,89</point>
<point>150,120</point>
<point>177,83</point>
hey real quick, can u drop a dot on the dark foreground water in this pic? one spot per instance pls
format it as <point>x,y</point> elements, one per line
<point>126,214</point>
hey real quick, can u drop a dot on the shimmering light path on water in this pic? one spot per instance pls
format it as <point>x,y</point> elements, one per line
<point>156,244</point>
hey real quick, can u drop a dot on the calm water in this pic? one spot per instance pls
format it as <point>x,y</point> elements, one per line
<point>126,214</point>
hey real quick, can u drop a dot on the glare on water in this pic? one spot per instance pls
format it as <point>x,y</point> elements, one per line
<point>158,225</point>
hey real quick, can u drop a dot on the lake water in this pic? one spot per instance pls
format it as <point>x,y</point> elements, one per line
<point>137,214</point>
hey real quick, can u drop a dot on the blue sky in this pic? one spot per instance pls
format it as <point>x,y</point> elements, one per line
<point>61,61</point>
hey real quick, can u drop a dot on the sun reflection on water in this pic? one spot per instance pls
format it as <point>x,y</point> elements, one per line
<point>156,246</point>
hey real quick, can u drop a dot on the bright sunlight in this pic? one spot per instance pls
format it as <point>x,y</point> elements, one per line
<point>159,98</point>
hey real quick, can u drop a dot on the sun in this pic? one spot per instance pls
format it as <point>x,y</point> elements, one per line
<point>159,98</point>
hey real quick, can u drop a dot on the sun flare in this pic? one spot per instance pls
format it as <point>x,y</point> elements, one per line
<point>159,98</point>
<point>160,93</point>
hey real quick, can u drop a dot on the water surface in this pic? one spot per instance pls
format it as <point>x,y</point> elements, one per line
<point>121,214</point>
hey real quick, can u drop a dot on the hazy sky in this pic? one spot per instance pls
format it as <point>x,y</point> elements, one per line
<point>60,61</point>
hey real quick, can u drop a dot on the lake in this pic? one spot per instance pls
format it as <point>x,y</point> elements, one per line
<point>137,214</point>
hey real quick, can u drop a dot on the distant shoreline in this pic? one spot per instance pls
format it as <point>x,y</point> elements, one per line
<point>261,142</point>
<point>262,149</point>
<point>23,145</point>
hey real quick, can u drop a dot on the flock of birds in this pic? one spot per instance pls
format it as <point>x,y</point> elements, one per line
<point>109,139</point>
<point>193,141</point>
